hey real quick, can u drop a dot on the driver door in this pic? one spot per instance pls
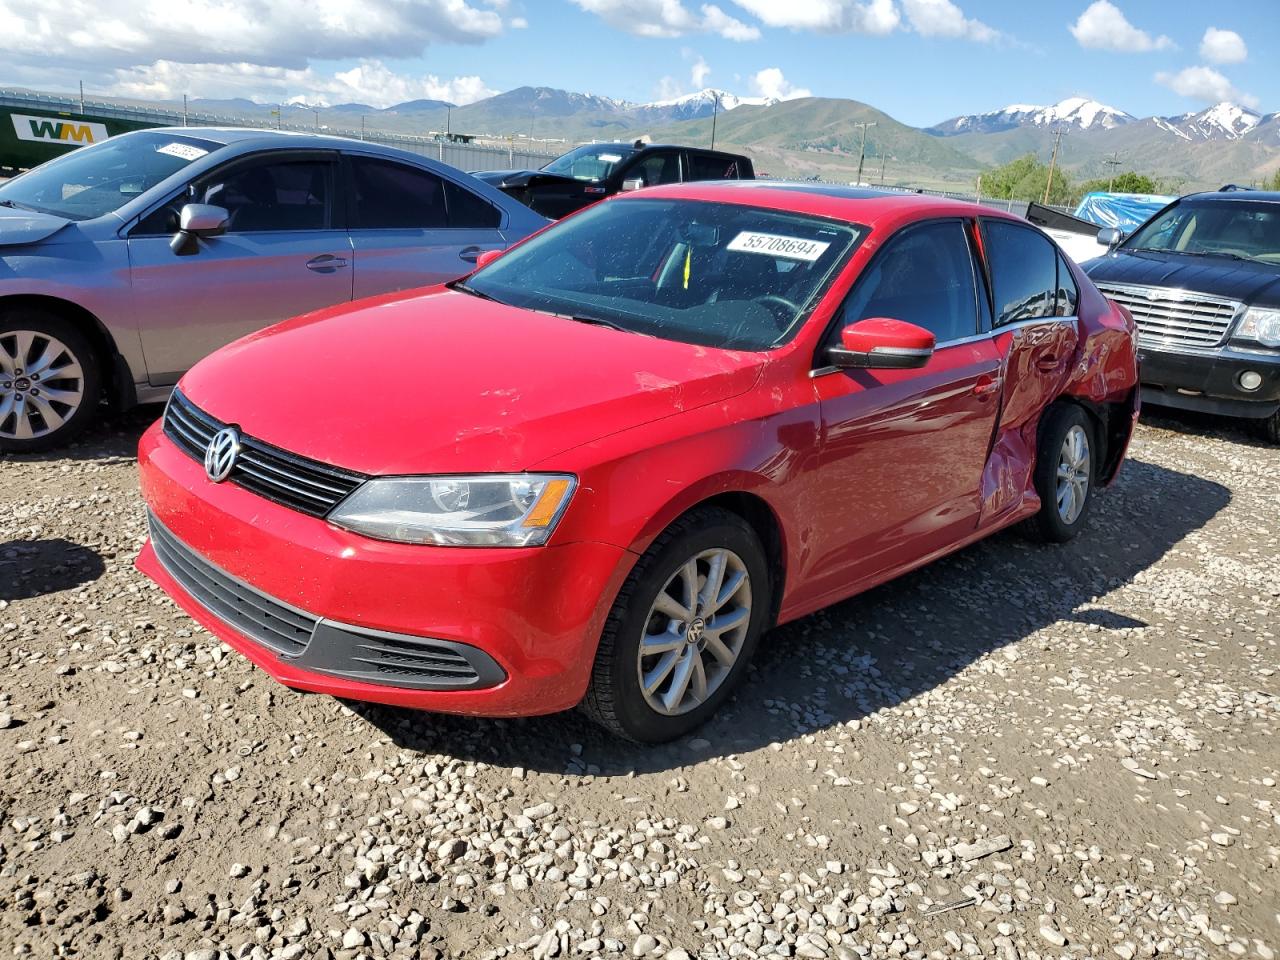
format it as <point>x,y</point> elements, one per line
<point>903,451</point>
<point>284,253</point>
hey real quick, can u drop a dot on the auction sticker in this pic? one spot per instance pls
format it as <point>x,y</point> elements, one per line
<point>183,151</point>
<point>776,245</point>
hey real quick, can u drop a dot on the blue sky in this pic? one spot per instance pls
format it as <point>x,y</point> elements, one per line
<point>919,60</point>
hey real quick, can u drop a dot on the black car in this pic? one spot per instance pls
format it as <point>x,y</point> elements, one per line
<point>598,170</point>
<point>1202,280</point>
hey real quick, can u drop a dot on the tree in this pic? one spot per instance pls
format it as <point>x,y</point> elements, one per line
<point>1025,179</point>
<point>1127,182</point>
<point>1272,182</point>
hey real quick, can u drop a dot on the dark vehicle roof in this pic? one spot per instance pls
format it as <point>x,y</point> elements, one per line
<point>1230,196</point>
<point>630,145</point>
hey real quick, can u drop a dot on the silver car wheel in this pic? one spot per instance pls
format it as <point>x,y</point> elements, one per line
<point>1073,474</point>
<point>695,632</point>
<point>41,384</point>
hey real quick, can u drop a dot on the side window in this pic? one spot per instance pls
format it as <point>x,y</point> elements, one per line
<point>924,275</point>
<point>705,166</point>
<point>285,195</point>
<point>1024,272</point>
<point>657,168</point>
<point>394,196</point>
<point>466,209</point>
<point>1068,293</point>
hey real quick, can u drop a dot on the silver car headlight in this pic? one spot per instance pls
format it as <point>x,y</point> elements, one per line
<point>1259,325</point>
<point>487,510</point>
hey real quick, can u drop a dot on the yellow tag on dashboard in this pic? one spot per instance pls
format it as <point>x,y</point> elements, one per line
<point>688,262</point>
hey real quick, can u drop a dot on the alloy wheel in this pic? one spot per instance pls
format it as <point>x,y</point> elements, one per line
<point>1073,474</point>
<point>41,384</point>
<point>695,631</point>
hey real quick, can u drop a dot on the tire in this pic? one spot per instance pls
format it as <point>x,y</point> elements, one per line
<point>1053,524</point>
<point>1269,428</point>
<point>615,698</point>
<point>38,412</point>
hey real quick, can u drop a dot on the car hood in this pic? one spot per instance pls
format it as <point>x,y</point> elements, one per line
<point>444,382</point>
<point>26,226</point>
<point>1216,276</point>
<point>513,179</point>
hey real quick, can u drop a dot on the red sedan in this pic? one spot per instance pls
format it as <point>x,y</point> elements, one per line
<point>596,471</point>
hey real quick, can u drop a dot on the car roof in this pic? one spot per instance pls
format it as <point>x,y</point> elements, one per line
<point>863,205</point>
<point>1227,196</point>
<point>266,137</point>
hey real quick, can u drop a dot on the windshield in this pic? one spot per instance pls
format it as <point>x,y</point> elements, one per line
<point>93,181</point>
<point>593,162</point>
<point>716,274</point>
<point>1239,229</point>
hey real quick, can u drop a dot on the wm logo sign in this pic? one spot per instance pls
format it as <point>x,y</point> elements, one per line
<point>54,130</point>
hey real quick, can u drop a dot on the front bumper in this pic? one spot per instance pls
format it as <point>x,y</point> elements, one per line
<point>1208,381</point>
<point>525,622</point>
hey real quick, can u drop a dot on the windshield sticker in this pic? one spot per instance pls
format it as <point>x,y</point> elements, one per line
<point>774,245</point>
<point>610,157</point>
<point>183,151</point>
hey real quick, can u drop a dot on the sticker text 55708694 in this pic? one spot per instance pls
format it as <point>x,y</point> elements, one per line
<point>776,245</point>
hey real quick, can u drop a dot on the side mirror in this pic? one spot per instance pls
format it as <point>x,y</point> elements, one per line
<point>1110,237</point>
<point>632,183</point>
<point>883,344</point>
<point>487,258</point>
<point>197,220</point>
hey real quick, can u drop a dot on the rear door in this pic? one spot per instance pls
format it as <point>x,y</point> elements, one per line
<point>413,228</point>
<point>285,252</point>
<point>1036,332</point>
<point>903,451</point>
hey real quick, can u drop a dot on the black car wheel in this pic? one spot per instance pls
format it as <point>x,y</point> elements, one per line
<point>1064,473</point>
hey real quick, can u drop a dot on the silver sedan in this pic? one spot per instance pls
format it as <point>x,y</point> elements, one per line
<point>123,263</point>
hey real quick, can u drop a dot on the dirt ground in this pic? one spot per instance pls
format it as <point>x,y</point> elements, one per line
<point>1020,751</point>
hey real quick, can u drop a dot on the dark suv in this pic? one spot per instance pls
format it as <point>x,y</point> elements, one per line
<point>1202,279</point>
<point>598,170</point>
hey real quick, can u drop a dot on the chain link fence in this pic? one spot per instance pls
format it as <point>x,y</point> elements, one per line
<point>464,156</point>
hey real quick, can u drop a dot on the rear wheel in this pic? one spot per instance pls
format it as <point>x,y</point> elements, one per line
<point>1064,475</point>
<point>682,630</point>
<point>49,381</point>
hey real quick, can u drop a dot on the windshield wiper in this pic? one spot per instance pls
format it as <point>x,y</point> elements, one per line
<point>14,204</point>
<point>1220,253</point>
<point>467,288</point>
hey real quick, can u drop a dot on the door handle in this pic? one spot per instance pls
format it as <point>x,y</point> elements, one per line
<point>326,263</point>
<point>987,386</point>
<point>470,254</point>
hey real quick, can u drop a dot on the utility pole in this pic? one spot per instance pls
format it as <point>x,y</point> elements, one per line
<point>81,98</point>
<point>882,159</point>
<point>362,126</point>
<point>316,112</point>
<point>184,109</point>
<point>862,151</point>
<point>448,123</point>
<point>1053,161</point>
<point>715,109</point>
<point>1112,161</point>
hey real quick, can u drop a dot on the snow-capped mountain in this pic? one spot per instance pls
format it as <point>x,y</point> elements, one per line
<point>1223,121</point>
<point>1078,112</point>
<point>693,106</point>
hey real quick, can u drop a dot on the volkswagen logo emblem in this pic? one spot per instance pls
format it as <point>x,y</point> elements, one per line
<point>220,456</point>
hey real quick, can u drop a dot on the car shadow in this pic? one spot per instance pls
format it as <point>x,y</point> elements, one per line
<point>33,568</point>
<point>876,650</point>
<point>1194,423</point>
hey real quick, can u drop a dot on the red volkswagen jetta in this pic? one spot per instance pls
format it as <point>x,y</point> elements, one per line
<point>598,469</point>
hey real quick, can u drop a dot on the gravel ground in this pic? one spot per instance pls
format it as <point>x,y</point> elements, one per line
<point>1017,752</point>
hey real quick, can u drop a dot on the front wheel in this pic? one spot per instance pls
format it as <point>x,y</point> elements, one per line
<point>682,630</point>
<point>49,382</point>
<point>1064,475</point>
<point>1269,428</point>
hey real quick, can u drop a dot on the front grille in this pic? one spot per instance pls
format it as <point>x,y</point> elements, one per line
<point>305,485</point>
<point>1175,317</point>
<point>279,627</point>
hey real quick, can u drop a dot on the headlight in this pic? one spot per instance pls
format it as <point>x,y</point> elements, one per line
<point>1260,325</point>
<point>515,510</point>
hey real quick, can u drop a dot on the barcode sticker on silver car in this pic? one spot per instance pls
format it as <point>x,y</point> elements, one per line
<point>776,245</point>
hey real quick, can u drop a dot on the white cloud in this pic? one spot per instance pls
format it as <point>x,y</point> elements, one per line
<point>875,17</point>
<point>281,33</point>
<point>770,82</point>
<point>517,23</point>
<point>370,82</point>
<point>1205,84</point>
<point>699,73</point>
<point>1223,46</point>
<point>667,18</point>
<point>1103,26</point>
<point>942,18</point>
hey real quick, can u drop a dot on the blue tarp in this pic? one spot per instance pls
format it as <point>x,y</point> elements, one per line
<point>1127,211</point>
